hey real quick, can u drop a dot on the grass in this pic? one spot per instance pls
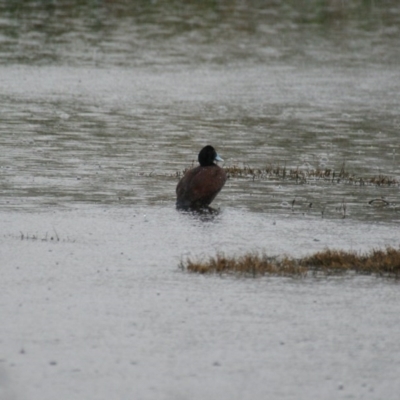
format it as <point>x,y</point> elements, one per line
<point>378,262</point>
<point>303,175</point>
<point>36,237</point>
<point>55,237</point>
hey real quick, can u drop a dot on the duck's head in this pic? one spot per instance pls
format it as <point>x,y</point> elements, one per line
<point>208,155</point>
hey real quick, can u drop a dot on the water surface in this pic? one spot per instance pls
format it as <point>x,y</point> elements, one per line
<point>104,104</point>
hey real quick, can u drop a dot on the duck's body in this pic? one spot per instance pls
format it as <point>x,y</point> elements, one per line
<point>200,185</point>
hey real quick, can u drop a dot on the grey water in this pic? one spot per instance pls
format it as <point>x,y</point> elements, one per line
<point>103,105</point>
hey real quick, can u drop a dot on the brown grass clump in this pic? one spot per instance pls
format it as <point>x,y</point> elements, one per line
<point>304,175</point>
<point>243,172</point>
<point>380,262</point>
<point>248,264</point>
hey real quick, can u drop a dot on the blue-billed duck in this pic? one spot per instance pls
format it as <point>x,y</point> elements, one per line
<point>199,186</point>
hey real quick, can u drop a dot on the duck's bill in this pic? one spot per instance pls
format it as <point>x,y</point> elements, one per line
<point>218,158</point>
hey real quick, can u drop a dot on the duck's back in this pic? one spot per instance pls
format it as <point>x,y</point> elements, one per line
<point>199,186</point>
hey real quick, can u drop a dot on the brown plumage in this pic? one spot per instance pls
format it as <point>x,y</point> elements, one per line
<point>200,185</point>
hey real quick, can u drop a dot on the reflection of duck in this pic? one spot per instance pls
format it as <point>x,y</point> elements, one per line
<point>200,185</point>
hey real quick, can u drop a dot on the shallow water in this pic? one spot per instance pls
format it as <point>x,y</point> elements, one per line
<point>97,306</point>
<point>103,106</point>
<point>86,135</point>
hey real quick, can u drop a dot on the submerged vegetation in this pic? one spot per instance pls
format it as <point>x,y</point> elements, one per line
<point>379,262</point>
<point>47,237</point>
<point>304,175</point>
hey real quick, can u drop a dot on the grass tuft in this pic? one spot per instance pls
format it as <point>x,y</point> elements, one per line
<point>379,262</point>
<point>249,264</point>
<point>305,175</point>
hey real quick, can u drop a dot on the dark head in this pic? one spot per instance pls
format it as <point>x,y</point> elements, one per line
<point>207,156</point>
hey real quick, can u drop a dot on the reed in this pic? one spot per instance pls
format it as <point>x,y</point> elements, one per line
<point>384,262</point>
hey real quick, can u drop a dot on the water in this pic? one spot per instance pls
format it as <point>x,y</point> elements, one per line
<point>103,106</point>
<point>88,135</point>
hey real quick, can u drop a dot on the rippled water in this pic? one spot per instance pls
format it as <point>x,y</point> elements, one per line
<point>84,134</point>
<point>107,102</point>
<point>103,105</point>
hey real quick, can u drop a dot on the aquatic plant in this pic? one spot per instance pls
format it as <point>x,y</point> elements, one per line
<point>251,263</point>
<point>380,262</point>
<point>305,175</point>
<point>36,237</point>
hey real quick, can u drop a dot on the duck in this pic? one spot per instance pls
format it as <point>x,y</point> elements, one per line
<point>200,185</point>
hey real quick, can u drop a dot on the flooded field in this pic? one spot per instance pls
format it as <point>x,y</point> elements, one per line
<point>103,107</point>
